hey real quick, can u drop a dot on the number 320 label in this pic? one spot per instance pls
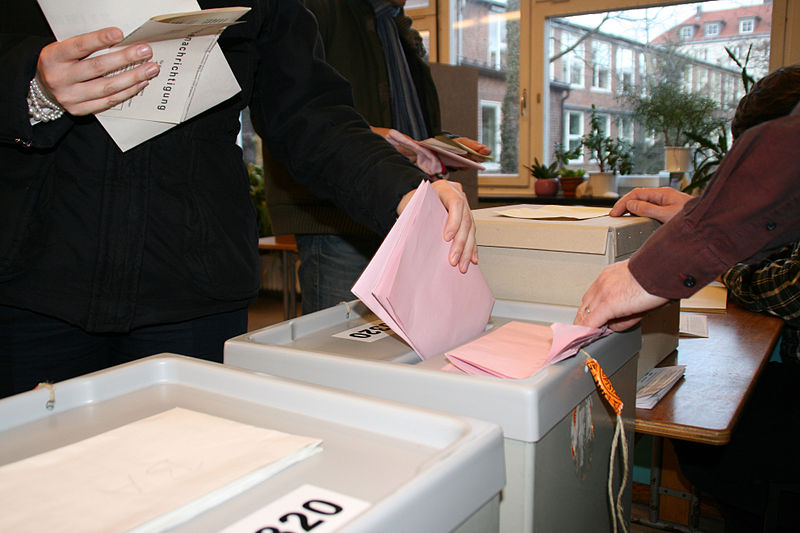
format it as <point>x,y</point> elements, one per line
<point>307,508</point>
<point>369,332</point>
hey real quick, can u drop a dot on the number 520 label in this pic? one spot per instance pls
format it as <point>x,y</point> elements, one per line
<point>307,508</point>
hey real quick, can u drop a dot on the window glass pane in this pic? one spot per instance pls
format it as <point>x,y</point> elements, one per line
<point>416,4</point>
<point>490,132</point>
<point>485,35</point>
<point>601,65</point>
<point>634,54</point>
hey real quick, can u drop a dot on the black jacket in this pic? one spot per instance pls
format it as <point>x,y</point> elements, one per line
<point>353,48</point>
<point>166,231</point>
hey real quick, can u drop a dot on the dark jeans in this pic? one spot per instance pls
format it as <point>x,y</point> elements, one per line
<point>330,266</point>
<point>36,348</point>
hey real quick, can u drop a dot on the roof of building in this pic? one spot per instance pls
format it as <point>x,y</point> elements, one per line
<point>729,19</point>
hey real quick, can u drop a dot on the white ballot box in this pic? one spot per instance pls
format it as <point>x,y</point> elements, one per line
<point>381,466</point>
<point>557,430</point>
<point>555,261</point>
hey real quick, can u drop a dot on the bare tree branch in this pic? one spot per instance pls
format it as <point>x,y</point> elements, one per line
<point>581,39</point>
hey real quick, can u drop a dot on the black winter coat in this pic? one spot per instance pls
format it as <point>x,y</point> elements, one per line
<point>166,231</point>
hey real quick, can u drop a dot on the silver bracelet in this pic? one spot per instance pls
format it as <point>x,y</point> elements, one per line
<point>40,107</point>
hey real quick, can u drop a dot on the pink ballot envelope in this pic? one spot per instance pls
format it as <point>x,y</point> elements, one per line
<point>411,285</point>
<point>517,350</point>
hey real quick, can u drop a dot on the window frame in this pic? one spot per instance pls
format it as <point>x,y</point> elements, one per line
<point>714,25</point>
<point>534,70</point>
<point>495,146</point>
<point>598,68</point>
<point>569,137</point>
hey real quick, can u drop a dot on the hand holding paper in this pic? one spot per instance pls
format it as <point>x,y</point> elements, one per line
<point>411,285</point>
<point>193,77</point>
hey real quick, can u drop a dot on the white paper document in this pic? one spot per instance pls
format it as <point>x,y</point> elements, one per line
<point>324,510</point>
<point>654,385</point>
<point>574,212</point>
<point>194,74</point>
<point>692,325</point>
<point>149,475</point>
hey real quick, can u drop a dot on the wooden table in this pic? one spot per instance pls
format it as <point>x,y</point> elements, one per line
<point>286,245</point>
<point>721,371</point>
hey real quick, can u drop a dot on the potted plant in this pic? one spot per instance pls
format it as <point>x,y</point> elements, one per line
<point>613,156</point>
<point>546,177</point>
<point>258,196</point>
<point>666,108</point>
<point>568,178</point>
<point>712,148</point>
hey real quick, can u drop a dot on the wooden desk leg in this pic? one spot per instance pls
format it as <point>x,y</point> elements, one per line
<point>655,478</point>
<point>656,491</point>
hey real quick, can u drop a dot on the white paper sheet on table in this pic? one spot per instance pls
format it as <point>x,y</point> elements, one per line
<point>517,350</point>
<point>210,82</point>
<point>411,286</point>
<point>145,476</point>
<point>576,212</point>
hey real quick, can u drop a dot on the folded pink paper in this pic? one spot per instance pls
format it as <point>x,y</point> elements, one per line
<point>411,286</point>
<point>517,350</point>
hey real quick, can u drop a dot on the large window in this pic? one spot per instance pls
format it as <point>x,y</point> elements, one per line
<point>625,66</point>
<point>497,39</point>
<point>713,28</point>
<point>560,63</point>
<point>573,132</point>
<point>573,60</point>
<point>601,65</point>
<point>490,132</point>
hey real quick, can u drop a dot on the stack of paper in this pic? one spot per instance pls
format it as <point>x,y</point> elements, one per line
<point>713,298</point>
<point>453,158</point>
<point>411,285</point>
<point>149,475</point>
<point>654,385</point>
<point>517,350</point>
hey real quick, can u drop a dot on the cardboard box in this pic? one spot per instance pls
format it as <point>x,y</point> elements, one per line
<point>555,261</point>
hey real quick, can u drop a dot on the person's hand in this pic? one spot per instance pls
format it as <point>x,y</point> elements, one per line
<point>474,145</point>
<point>460,226</point>
<point>79,83</point>
<point>387,134</point>
<point>425,159</point>
<point>660,203</point>
<point>615,299</point>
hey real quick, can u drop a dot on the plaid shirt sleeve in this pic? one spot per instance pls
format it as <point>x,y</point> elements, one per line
<point>771,286</point>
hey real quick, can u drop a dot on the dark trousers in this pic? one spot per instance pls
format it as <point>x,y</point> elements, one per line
<point>761,456</point>
<point>36,348</point>
<point>329,267</point>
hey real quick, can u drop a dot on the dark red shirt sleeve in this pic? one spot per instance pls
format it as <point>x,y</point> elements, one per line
<point>751,208</point>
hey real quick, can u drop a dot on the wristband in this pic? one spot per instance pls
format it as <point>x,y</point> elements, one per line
<point>40,107</point>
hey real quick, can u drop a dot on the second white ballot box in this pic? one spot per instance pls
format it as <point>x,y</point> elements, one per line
<point>558,430</point>
<point>171,443</point>
<point>556,260</point>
